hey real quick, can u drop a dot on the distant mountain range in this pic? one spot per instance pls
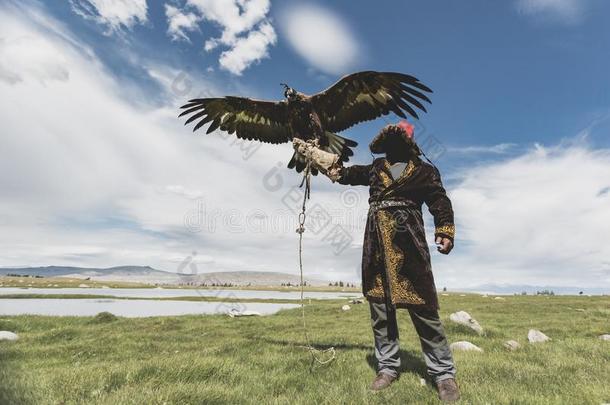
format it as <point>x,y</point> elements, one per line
<point>148,275</point>
<point>532,289</point>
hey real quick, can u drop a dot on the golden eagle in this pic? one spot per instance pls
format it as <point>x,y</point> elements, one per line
<point>355,98</point>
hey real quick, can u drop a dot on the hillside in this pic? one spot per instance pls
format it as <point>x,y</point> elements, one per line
<point>149,275</point>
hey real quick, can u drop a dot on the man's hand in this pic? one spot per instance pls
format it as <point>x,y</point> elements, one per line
<point>302,147</point>
<point>444,245</point>
<point>328,163</point>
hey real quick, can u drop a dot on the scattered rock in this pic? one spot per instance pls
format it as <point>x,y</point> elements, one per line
<point>356,301</point>
<point>445,295</point>
<point>580,309</point>
<point>83,286</point>
<point>512,345</point>
<point>105,287</point>
<point>535,336</point>
<point>462,295</point>
<point>464,318</point>
<point>346,307</point>
<point>233,312</point>
<point>499,298</point>
<point>464,346</point>
<point>6,335</point>
<point>484,295</point>
<point>422,382</point>
<point>604,337</point>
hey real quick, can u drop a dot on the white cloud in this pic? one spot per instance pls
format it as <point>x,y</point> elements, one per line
<point>564,10</point>
<point>248,50</point>
<point>89,178</point>
<point>233,16</point>
<point>499,149</point>
<point>180,22</point>
<point>23,58</point>
<point>114,14</point>
<point>181,190</point>
<point>246,30</point>
<point>322,38</point>
<point>534,219</point>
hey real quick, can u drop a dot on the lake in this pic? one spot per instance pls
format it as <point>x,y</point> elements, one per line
<point>175,292</point>
<point>128,308</point>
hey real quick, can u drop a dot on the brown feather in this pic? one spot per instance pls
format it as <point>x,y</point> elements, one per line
<point>366,96</point>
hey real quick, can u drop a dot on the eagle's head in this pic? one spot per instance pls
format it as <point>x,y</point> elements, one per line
<point>291,94</point>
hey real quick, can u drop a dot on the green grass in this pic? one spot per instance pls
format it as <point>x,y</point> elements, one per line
<point>217,359</point>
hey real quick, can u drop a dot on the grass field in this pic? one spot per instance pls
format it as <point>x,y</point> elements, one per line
<point>64,282</point>
<point>217,359</point>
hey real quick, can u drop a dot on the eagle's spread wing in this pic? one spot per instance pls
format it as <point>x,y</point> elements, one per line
<point>259,120</point>
<point>367,95</point>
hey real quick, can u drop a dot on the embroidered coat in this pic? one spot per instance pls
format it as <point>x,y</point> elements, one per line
<point>395,257</point>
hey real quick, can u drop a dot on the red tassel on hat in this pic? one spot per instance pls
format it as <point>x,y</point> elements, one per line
<point>408,128</point>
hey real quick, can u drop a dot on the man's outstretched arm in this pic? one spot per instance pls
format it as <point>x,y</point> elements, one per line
<point>330,165</point>
<point>355,175</point>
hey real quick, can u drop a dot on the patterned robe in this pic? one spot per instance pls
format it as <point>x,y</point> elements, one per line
<point>395,257</point>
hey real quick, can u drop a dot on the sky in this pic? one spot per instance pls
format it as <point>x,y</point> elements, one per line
<point>96,169</point>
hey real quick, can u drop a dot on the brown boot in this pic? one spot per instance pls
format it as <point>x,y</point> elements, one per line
<point>383,380</point>
<point>448,390</point>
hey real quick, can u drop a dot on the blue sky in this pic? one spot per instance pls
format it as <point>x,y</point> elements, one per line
<point>520,92</point>
<point>501,72</point>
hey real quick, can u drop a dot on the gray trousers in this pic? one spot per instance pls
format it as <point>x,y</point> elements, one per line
<point>427,323</point>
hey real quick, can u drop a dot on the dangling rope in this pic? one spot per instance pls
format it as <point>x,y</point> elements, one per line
<point>320,356</point>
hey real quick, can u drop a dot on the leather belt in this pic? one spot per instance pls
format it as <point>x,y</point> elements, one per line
<point>374,206</point>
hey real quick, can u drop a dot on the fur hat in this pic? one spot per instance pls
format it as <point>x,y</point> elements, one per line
<point>403,130</point>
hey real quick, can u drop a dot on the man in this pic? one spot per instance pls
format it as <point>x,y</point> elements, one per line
<point>396,270</point>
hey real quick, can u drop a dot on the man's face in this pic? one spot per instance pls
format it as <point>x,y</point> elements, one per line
<point>399,147</point>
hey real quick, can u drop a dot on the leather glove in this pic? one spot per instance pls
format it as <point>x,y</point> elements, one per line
<point>326,162</point>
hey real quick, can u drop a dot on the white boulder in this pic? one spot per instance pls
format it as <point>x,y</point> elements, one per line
<point>464,346</point>
<point>234,312</point>
<point>6,335</point>
<point>512,345</point>
<point>604,337</point>
<point>464,318</point>
<point>535,336</point>
<point>346,307</point>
